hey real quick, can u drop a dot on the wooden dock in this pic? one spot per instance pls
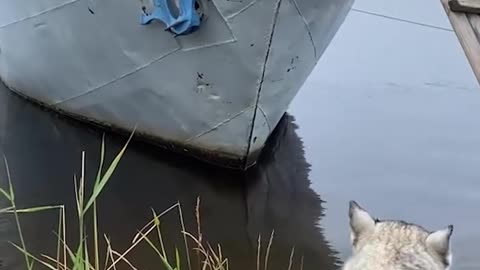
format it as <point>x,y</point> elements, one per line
<point>464,15</point>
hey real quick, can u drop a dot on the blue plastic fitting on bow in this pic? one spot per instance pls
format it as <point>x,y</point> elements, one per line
<point>187,21</point>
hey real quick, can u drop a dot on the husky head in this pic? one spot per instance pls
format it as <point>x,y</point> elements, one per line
<point>408,241</point>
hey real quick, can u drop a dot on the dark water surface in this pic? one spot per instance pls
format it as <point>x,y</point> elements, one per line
<point>44,151</point>
<point>390,117</point>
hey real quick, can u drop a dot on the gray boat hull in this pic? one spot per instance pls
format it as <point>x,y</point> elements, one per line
<point>217,93</point>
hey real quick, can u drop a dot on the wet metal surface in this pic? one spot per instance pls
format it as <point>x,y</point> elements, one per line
<point>389,117</point>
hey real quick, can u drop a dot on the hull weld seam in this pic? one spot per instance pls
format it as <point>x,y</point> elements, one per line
<point>266,119</point>
<point>233,15</point>
<point>116,79</point>
<point>39,14</point>
<point>264,69</point>
<point>306,27</point>
<point>218,125</point>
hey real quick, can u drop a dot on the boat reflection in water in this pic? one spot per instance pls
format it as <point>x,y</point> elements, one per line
<point>44,150</point>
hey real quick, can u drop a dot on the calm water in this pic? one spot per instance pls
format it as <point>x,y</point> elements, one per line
<point>390,117</point>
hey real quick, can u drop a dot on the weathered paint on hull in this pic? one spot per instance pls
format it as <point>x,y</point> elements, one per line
<point>216,94</point>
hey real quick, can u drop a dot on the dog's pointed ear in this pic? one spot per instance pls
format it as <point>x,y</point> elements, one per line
<point>439,242</point>
<point>360,221</point>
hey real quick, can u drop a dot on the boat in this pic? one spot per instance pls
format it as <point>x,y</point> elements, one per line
<point>208,78</point>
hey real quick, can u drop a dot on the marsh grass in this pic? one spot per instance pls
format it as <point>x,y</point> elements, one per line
<point>80,258</point>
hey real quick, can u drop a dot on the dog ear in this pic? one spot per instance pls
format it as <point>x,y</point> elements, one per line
<point>361,222</point>
<point>439,242</point>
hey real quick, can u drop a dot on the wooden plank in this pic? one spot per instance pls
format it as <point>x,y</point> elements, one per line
<point>469,40</point>
<point>467,6</point>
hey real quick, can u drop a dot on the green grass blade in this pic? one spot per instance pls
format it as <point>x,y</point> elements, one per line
<point>95,236</point>
<point>124,259</point>
<point>164,260</point>
<point>86,257</point>
<point>98,188</point>
<point>59,265</point>
<point>122,256</point>
<point>177,258</point>
<point>182,223</point>
<point>5,194</point>
<point>102,158</point>
<point>70,252</point>
<point>107,254</point>
<point>152,222</point>
<point>35,209</point>
<point>95,219</point>
<point>6,210</point>
<point>159,232</point>
<point>10,186</point>
<point>33,257</point>
<point>17,219</point>
<point>59,228</point>
<point>64,234</point>
<point>152,245</point>
<point>79,257</point>
<point>77,198</point>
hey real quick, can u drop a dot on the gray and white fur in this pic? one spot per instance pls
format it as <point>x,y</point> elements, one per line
<point>395,245</point>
